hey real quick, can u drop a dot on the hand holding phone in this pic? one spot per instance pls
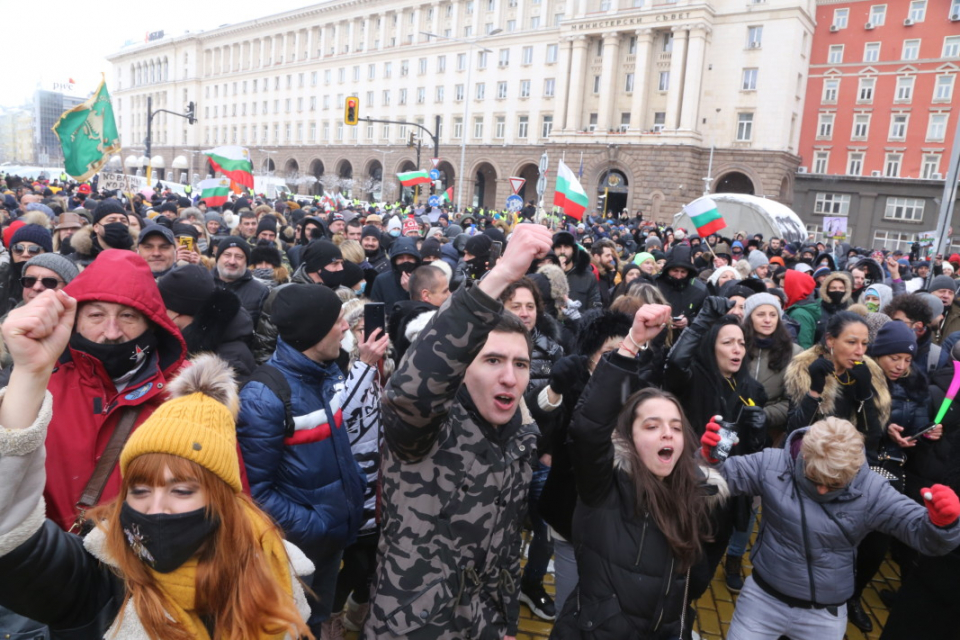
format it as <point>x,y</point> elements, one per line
<point>374,317</point>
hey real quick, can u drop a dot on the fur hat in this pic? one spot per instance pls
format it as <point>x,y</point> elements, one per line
<point>598,326</point>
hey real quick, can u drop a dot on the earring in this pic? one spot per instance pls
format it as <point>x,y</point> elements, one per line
<point>831,352</point>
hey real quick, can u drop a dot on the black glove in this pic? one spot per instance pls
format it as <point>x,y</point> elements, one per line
<point>863,381</point>
<point>567,373</point>
<point>715,307</point>
<point>751,429</point>
<point>819,370</point>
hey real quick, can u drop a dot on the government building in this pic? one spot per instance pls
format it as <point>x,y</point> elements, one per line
<point>654,101</point>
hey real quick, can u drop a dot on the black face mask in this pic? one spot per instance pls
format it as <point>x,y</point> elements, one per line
<point>117,235</point>
<point>118,359</point>
<point>836,297</point>
<point>315,233</point>
<point>405,267</point>
<point>476,267</point>
<point>332,279</point>
<point>806,260</point>
<point>164,541</point>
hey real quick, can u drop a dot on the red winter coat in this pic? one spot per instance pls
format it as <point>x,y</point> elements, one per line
<point>86,405</point>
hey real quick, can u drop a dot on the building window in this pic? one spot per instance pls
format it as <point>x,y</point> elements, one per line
<point>854,163</point>
<point>628,84</point>
<point>832,204</point>
<point>500,127</point>
<point>596,84</point>
<point>421,95</point>
<point>840,17</point>
<point>906,209</point>
<point>918,10</point>
<point>526,55</point>
<point>749,80</point>
<point>481,59</point>
<point>666,43</point>
<point>552,50</point>
<point>659,121</point>
<point>458,92</point>
<point>457,128</point>
<point>744,127</point>
<point>904,89</point>
<point>546,126</point>
<point>943,90</point>
<point>535,22</point>
<point>478,127</point>
<point>931,167</point>
<point>524,88</point>
<point>441,64</point>
<point>385,101</point>
<point>891,166</point>
<point>504,57</point>
<point>871,52</point>
<point>893,240</point>
<point>593,122</point>
<point>951,47</point>
<point>387,70</point>
<point>937,127</point>
<point>865,90</point>
<point>835,54</point>
<point>370,98</point>
<point>754,37</point>
<point>878,15</point>
<point>664,84</point>
<point>439,97</point>
<point>501,90</point>
<point>481,91</point>
<point>821,161</point>
<point>523,124</point>
<point>830,90</point>
<point>511,26</point>
<point>825,126</point>
<point>422,66</point>
<point>911,49</point>
<point>624,121</point>
<point>549,85</point>
<point>861,126</point>
<point>898,126</point>
<point>461,61</point>
<point>404,68</point>
<point>954,8</point>
<point>467,32</point>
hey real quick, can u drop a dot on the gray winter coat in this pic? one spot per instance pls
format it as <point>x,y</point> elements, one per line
<point>778,403</point>
<point>806,550</point>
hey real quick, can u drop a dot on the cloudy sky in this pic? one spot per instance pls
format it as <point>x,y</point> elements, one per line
<point>70,40</point>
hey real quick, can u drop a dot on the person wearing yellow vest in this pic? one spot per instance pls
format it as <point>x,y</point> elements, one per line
<point>181,553</point>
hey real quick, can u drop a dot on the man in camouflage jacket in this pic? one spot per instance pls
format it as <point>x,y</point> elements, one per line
<point>457,467</point>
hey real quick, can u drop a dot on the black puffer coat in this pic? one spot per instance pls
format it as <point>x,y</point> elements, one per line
<point>629,586</point>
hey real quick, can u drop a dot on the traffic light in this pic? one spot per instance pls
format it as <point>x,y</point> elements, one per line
<point>351,110</point>
<point>191,112</point>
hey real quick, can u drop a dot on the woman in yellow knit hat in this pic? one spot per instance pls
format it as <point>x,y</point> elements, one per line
<point>181,553</point>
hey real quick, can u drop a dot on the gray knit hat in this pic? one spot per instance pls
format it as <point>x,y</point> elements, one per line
<point>759,299</point>
<point>757,258</point>
<point>943,282</point>
<point>56,263</point>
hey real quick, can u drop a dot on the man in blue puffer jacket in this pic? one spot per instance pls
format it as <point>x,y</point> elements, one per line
<point>308,481</point>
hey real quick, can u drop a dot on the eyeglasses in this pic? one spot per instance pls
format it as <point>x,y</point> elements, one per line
<point>33,249</point>
<point>29,282</point>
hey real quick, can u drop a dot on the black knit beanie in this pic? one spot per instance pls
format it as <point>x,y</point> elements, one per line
<point>305,313</point>
<point>186,288</point>
<point>320,253</point>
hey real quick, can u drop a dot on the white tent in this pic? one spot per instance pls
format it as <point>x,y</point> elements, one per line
<point>753,215</point>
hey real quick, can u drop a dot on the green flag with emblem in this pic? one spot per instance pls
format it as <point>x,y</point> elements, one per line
<point>88,134</point>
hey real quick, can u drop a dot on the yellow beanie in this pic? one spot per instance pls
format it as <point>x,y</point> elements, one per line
<point>197,423</point>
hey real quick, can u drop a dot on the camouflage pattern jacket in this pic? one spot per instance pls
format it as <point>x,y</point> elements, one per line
<point>454,491</point>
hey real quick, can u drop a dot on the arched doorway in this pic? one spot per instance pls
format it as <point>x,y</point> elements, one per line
<point>612,193</point>
<point>373,183</point>
<point>268,166</point>
<point>448,178</point>
<point>485,186</point>
<point>407,194</point>
<point>208,169</point>
<point>530,173</point>
<point>316,172</point>
<point>291,174</point>
<point>734,182</point>
<point>345,174</point>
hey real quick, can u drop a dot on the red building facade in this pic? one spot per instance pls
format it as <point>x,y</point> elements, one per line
<point>882,93</point>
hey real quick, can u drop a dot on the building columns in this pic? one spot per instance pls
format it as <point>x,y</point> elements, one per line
<point>608,82</point>
<point>677,65</point>
<point>693,78</point>
<point>563,78</point>
<point>641,67</point>
<point>575,105</point>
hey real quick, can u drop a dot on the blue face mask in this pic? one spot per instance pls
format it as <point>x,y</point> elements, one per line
<point>395,233</point>
<point>362,289</point>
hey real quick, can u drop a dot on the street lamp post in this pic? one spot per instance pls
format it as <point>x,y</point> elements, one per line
<point>466,104</point>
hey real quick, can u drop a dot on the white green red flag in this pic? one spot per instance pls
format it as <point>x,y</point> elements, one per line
<point>705,216</point>
<point>569,194</point>
<point>413,178</point>
<point>447,195</point>
<point>233,162</point>
<point>214,191</point>
<point>88,135</point>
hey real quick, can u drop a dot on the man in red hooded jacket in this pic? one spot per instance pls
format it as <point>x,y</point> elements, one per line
<point>123,351</point>
<point>801,305</point>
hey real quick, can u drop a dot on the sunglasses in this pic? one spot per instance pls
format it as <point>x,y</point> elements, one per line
<point>32,249</point>
<point>29,282</point>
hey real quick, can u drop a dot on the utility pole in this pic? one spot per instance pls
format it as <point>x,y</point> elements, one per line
<point>190,115</point>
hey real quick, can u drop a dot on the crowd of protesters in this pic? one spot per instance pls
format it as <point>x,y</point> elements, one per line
<point>202,438</point>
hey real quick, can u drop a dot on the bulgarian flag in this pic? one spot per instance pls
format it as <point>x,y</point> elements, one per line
<point>705,217</point>
<point>569,194</point>
<point>214,191</point>
<point>412,178</point>
<point>233,162</point>
<point>447,195</point>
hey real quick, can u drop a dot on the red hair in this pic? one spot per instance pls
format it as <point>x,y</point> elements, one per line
<point>235,584</point>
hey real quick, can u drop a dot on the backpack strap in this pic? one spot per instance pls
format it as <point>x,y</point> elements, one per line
<point>272,379</point>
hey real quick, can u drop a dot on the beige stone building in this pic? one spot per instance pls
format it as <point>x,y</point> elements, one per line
<point>641,90</point>
<point>16,136</point>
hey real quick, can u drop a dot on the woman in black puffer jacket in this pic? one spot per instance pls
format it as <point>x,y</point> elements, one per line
<point>643,512</point>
